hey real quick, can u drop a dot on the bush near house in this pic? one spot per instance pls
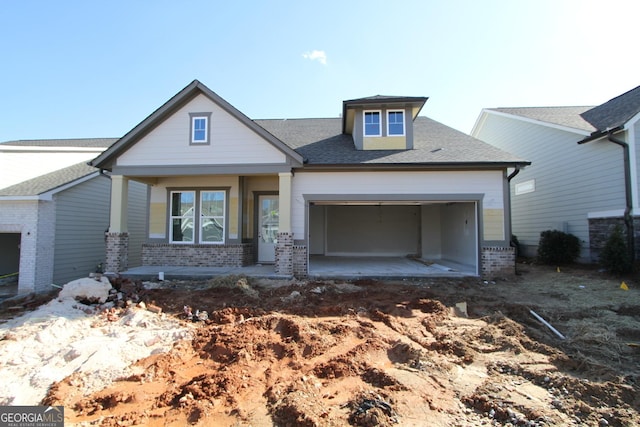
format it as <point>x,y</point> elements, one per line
<point>615,255</point>
<point>556,247</point>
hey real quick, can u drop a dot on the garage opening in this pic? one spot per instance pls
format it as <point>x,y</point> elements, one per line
<point>378,238</point>
<point>9,264</point>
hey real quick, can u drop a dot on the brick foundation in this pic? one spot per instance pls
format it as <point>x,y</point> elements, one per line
<point>284,254</point>
<point>117,258</point>
<point>300,258</point>
<point>498,262</point>
<point>601,228</point>
<point>231,255</point>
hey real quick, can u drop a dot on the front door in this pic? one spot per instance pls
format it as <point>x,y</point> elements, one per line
<point>267,227</point>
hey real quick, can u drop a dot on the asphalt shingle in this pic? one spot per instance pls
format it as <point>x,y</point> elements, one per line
<point>49,181</point>
<point>563,116</point>
<point>615,112</point>
<point>321,142</point>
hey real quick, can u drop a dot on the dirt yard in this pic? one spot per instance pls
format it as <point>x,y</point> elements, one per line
<point>438,352</point>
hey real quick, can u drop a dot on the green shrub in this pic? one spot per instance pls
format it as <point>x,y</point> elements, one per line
<point>615,255</point>
<point>556,247</point>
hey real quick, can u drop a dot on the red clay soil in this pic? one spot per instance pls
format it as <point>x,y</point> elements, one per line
<point>372,353</point>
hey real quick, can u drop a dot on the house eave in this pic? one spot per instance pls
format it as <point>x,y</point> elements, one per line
<point>362,167</point>
<point>487,111</point>
<point>146,171</point>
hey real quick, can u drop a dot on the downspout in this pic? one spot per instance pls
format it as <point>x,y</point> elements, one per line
<point>628,219</point>
<point>514,173</point>
<point>512,242</point>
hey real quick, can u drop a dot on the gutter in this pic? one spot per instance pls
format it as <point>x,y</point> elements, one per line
<point>628,219</point>
<point>514,173</point>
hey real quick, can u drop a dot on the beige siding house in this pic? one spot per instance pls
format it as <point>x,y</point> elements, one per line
<point>381,181</point>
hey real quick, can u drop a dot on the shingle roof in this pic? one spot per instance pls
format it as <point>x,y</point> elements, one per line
<point>563,116</point>
<point>614,112</point>
<point>49,181</point>
<point>321,142</point>
<point>79,142</point>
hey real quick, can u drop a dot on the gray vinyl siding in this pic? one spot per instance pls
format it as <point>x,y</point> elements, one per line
<point>82,216</point>
<point>137,221</point>
<point>571,180</point>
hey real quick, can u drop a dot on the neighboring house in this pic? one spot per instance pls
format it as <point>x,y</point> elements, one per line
<point>226,190</point>
<point>53,222</point>
<point>26,159</point>
<point>584,174</point>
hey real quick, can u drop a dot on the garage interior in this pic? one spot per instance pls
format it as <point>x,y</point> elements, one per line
<point>388,238</point>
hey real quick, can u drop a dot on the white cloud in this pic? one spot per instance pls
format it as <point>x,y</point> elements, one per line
<point>316,55</point>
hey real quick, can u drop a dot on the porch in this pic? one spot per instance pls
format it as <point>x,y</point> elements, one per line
<point>320,267</point>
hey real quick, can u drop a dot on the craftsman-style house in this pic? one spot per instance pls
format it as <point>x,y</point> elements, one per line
<point>380,180</point>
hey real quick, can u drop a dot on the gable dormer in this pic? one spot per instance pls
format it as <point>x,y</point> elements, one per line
<point>381,122</point>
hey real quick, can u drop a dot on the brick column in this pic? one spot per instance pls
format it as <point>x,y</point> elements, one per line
<point>498,262</point>
<point>284,254</point>
<point>117,259</point>
<point>300,268</point>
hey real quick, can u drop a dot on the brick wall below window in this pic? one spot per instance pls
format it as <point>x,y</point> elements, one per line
<point>231,255</point>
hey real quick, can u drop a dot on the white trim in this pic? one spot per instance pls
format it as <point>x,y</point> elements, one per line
<point>29,148</point>
<point>364,123</point>
<point>404,122</point>
<point>633,156</point>
<point>20,198</point>
<point>172,217</point>
<point>193,129</point>
<point>201,216</point>
<point>525,187</point>
<point>606,214</point>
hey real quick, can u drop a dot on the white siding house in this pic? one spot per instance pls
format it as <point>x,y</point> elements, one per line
<point>52,226</point>
<point>579,181</point>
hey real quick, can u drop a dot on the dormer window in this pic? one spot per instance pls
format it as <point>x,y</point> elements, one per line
<point>372,123</point>
<point>199,128</point>
<point>395,123</point>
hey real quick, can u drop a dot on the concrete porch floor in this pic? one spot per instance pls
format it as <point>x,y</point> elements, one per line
<point>320,267</point>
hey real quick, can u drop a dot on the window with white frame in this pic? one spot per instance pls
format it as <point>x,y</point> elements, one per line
<point>395,123</point>
<point>212,208</point>
<point>182,216</point>
<point>200,128</point>
<point>372,125</point>
<point>207,227</point>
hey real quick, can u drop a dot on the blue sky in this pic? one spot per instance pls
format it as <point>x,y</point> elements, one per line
<point>74,69</point>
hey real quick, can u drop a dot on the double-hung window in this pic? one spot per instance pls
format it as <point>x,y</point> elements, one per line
<point>200,128</point>
<point>372,125</point>
<point>212,216</point>
<point>395,123</point>
<point>182,216</point>
<point>207,227</point>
